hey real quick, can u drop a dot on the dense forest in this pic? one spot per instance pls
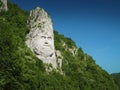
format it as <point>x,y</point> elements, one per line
<point>116,77</point>
<point>20,69</point>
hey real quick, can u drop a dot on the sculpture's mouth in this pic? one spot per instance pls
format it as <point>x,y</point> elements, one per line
<point>47,46</point>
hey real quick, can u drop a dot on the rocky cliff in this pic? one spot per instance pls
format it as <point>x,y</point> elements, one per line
<point>40,39</point>
<point>3,5</point>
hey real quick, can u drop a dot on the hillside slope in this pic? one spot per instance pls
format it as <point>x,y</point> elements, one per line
<point>20,69</point>
<point>116,76</point>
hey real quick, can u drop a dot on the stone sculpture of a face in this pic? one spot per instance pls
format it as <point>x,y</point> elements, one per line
<point>40,39</point>
<point>43,45</point>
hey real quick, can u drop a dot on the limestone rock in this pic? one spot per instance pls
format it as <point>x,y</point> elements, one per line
<point>73,50</point>
<point>59,58</point>
<point>3,5</point>
<point>40,39</point>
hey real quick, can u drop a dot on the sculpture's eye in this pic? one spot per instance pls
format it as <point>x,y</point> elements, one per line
<point>43,37</point>
<point>50,38</point>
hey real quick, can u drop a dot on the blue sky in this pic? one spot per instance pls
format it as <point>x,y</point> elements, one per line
<point>93,24</point>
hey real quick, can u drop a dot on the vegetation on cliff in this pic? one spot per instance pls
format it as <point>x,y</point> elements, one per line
<point>116,77</point>
<point>20,69</point>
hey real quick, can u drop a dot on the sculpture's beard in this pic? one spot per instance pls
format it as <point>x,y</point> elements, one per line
<point>45,51</point>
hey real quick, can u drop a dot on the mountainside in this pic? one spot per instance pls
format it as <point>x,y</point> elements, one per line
<point>116,76</point>
<point>21,69</point>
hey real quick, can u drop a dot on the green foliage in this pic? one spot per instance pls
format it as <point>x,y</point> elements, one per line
<point>82,69</point>
<point>58,40</point>
<point>20,69</point>
<point>0,3</point>
<point>69,42</point>
<point>116,77</point>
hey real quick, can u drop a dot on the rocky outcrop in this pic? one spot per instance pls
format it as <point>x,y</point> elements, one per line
<point>40,39</point>
<point>3,5</point>
<point>59,58</point>
<point>73,50</point>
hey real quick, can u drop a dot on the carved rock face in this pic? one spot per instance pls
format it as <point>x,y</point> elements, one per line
<point>42,45</point>
<point>40,39</point>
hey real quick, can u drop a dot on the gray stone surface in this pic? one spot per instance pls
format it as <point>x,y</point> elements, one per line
<point>40,39</point>
<point>3,5</point>
<point>59,58</point>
